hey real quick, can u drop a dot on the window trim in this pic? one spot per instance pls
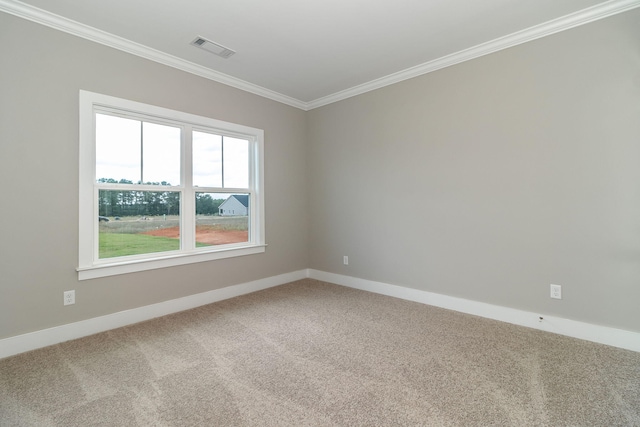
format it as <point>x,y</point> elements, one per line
<point>89,266</point>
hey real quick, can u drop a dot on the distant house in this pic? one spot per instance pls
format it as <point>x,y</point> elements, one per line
<point>236,205</point>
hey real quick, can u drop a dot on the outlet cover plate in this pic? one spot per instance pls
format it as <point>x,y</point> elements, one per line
<point>69,297</point>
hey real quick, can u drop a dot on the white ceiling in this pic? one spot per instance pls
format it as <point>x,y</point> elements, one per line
<point>309,53</point>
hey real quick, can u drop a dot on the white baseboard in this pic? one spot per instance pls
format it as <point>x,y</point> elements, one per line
<point>46,337</point>
<point>43,338</point>
<point>586,331</point>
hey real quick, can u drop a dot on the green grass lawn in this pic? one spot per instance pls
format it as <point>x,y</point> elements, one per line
<point>120,244</point>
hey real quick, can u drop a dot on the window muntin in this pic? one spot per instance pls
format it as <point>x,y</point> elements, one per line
<point>146,173</point>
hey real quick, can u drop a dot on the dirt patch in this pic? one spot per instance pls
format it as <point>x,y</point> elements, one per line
<point>207,235</point>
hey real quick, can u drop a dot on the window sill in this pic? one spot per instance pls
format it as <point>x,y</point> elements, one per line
<point>132,266</point>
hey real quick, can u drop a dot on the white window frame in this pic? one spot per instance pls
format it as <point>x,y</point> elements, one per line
<point>89,265</point>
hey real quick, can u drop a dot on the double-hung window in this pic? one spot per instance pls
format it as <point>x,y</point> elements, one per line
<point>160,187</point>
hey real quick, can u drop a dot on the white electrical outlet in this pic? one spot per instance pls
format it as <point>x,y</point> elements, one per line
<point>556,291</point>
<point>345,260</point>
<point>69,297</point>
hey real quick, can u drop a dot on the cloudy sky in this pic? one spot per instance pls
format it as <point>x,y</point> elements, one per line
<point>129,149</point>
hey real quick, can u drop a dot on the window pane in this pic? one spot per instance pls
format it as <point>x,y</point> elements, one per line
<point>138,222</point>
<point>236,163</point>
<point>221,219</point>
<point>207,160</point>
<point>117,149</point>
<point>161,154</point>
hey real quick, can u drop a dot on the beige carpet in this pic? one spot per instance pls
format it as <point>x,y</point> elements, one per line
<point>315,354</point>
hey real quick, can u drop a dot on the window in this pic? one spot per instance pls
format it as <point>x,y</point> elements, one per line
<point>160,188</point>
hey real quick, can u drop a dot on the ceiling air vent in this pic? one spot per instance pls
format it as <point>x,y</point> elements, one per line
<point>212,47</point>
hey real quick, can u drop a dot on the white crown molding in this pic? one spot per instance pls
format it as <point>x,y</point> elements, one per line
<point>566,22</point>
<point>60,23</point>
<point>585,16</point>
<point>586,331</point>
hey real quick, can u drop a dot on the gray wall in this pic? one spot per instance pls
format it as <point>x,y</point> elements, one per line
<point>514,170</point>
<point>41,72</point>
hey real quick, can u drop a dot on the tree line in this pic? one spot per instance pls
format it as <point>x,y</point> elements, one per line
<point>149,203</point>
